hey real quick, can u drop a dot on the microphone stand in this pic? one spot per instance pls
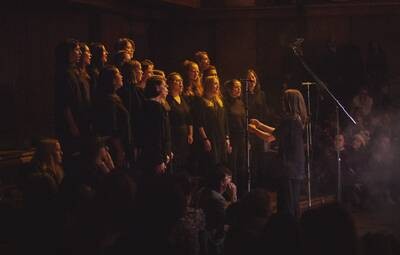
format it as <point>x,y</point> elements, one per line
<point>309,144</point>
<point>295,47</point>
<point>246,135</point>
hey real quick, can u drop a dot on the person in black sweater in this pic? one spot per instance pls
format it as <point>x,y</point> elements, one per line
<point>69,102</point>
<point>155,128</point>
<point>257,108</point>
<point>236,114</point>
<point>181,122</point>
<point>289,136</point>
<point>111,118</point>
<point>213,127</point>
<point>132,95</point>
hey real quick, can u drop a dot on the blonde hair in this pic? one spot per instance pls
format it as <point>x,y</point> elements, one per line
<point>44,158</point>
<point>191,88</point>
<point>208,84</point>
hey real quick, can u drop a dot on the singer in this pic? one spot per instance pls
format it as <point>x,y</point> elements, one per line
<point>289,135</point>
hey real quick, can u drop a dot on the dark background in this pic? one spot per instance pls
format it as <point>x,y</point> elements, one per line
<point>238,34</point>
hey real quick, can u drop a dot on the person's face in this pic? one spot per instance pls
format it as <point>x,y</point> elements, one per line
<point>204,62</point>
<point>225,182</point>
<point>148,72</point>
<point>176,85</point>
<point>339,142</point>
<point>194,73</point>
<point>252,80</point>
<point>86,55</point>
<point>75,55</point>
<point>138,73</point>
<point>213,72</point>
<point>104,55</point>
<point>163,90</point>
<point>236,89</point>
<point>58,153</point>
<point>129,48</point>
<point>356,143</point>
<point>118,82</point>
<point>215,88</point>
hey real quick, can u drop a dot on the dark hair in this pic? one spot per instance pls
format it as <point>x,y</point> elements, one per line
<point>216,177</point>
<point>159,72</point>
<point>97,50</point>
<point>152,89</point>
<point>258,86</point>
<point>294,105</point>
<point>119,58</point>
<point>146,63</point>
<point>198,55</point>
<point>228,85</point>
<point>128,72</point>
<point>122,43</point>
<point>63,50</point>
<point>106,80</point>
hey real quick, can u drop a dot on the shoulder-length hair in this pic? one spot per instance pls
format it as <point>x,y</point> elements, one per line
<point>97,50</point>
<point>294,105</point>
<point>62,52</point>
<point>153,84</point>
<point>191,88</point>
<point>258,86</point>
<point>128,71</point>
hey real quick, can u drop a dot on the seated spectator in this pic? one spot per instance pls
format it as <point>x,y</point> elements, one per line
<point>214,205</point>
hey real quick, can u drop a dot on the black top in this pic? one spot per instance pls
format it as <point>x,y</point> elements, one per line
<point>257,106</point>
<point>289,135</point>
<point>212,118</point>
<point>111,118</point>
<point>68,95</point>
<point>156,132</point>
<point>236,114</point>
<point>133,99</point>
<point>179,114</point>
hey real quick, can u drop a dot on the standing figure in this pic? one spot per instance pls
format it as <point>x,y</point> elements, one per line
<point>97,63</point>
<point>257,108</point>
<point>236,114</point>
<point>213,127</point>
<point>111,118</point>
<point>69,103</point>
<point>181,122</point>
<point>155,128</point>
<point>289,136</point>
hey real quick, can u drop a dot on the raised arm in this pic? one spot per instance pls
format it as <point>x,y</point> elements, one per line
<point>261,126</point>
<point>266,136</point>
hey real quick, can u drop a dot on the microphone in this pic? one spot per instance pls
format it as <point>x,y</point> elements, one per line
<point>308,83</point>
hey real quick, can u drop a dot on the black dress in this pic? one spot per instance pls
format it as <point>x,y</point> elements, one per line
<point>111,119</point>
<point>212,118</point>
<point>69,95</point>
<point>237,129</point>
<point>291,155</point>
<point>180,120</point>
<point>156,132</point>
<point>133,99</point>
<point>257,110</point>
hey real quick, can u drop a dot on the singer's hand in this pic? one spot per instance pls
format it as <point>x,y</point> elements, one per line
<point>255,122</point>
<point>252,128</point>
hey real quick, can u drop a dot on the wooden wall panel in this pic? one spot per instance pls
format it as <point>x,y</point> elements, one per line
<point>235,39</point>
